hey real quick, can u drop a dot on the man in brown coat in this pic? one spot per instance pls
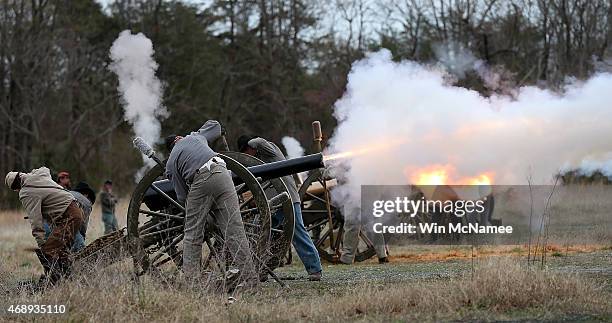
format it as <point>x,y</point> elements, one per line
<point>43,199</point>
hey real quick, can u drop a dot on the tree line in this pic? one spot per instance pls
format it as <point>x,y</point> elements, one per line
<point>267,67</point>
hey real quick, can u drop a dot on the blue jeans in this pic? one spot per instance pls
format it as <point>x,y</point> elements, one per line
<point>79,240</point>
<point>110,222</point>
<point>302,243</point>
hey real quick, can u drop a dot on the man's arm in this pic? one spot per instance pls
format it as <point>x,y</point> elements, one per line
<point>211,130</point>
<point>33,207</point>
<point>265,148</point>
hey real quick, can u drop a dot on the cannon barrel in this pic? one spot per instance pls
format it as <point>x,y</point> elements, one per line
<point>286,167</point>
<point>155,201</point>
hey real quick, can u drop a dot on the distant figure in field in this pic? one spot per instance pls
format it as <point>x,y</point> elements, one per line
<point>44,199</point>
<point>109,201</point>
<point>63,179</point>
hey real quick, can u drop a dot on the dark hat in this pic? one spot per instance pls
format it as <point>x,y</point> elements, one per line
<point>169,141</point>
<point>243,142</point>
<point>108,181</point>
<point>84,189</point>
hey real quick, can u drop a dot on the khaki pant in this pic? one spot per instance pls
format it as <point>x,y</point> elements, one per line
<point>212,198</point>
<point>61,238</point>
<point>353,224</point>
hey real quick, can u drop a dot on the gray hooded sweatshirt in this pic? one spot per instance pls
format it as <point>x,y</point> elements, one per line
<point>188,155</point>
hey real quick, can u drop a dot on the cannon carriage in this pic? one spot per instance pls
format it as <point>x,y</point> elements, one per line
<point>155,219</point>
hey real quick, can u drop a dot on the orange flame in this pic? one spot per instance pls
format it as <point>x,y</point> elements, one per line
<point>445,175</point>
<point>434,177</point>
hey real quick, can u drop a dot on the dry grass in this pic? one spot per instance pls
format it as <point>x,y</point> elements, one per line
<point>433,253</point>
<point>500,288</point>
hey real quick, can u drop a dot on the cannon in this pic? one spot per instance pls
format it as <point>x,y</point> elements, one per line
<point>155,218</point>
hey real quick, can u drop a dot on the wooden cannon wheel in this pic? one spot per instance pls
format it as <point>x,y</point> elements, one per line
<point>325,222</point>
<point>155,236</point>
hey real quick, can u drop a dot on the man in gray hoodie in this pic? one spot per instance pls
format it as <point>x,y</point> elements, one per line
<point>203,184</point>
<point>42,198</point>
<point>269,152</point>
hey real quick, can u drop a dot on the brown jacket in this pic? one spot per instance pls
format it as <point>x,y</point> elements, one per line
<point>42,198</point>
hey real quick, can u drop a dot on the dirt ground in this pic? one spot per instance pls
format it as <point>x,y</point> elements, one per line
<point>424,283</point>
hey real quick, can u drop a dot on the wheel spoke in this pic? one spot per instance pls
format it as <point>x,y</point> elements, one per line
<point>266,185</point>
<point>165,248</point>
<point>170,257</point>
<point>316,197</point>
<point>162,231</point>
<point>241,188</point>
<point>167,197</point>
<point>248,210</point>
<point>145,230</point>
<point>320,223</point>
<point>162,215</point>
<point>322,238</point>
<point>365,239</point>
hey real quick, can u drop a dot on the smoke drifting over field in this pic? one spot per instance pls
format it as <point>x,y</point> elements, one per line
<point>141,91</point>
<point>413,127</point>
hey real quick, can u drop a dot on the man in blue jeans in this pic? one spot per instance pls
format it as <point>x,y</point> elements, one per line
<point>268,152</point>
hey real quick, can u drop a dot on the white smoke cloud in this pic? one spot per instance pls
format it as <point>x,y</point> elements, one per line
<point>458,60</point>
<point>141,91</point>
<point>455,58</point>
<point>591,165</point>
<point>412,120</point>
<point>293,147</point>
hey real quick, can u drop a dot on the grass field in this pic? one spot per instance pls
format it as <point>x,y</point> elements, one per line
<point>425,283</point>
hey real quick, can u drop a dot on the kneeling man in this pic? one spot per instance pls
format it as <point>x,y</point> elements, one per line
<point>43,199</point>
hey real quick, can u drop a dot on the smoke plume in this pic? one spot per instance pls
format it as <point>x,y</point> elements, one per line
<point>141,91</point>
<point>402,122</point>
<point>294,150</point>
<point>293,147</point>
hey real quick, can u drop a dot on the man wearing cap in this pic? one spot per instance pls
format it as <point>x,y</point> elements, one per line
<point>269,152</point>
<point>63,179</point>
<point>42,198</point>
<point>203,184</point>
<point>109,202</point>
